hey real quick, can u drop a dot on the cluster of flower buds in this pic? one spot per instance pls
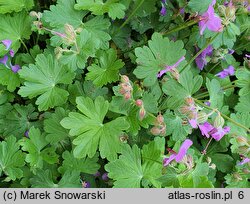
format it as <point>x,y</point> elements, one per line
<point>142,111</point>
<point>188,161</point>
<point>227,11</point>
<point>159,126</point>
<point>125,87</point>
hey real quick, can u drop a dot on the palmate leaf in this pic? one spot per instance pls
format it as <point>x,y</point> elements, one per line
<point>55,132</point>
<point>199,5</point>
<point>63,12</point>
<point>9,78</point>
<point>43,79</point>
<point>11,159</point>
<point>8,6</point>
<point>44,179</point>
<point>17,121</point>
<point>154,57</point>
<point>175,127</point>
<point>15,27</point>
<point>35,145</point>
<point>113,7</point>
<point>136,168</point>
<point>98,27</point>
<point>84,165</point>
<point>87,46</point>
<point>91,132</point>
<point>243,76</point>
<point>106,71</point>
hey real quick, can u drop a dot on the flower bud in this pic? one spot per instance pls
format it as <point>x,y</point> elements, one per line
<point>245,171</point>
<point>230,13</point>
<point>241,140</point>
<point>155,131</point>
<point>237,176</point>
<point>33,14</point>
<point>142,113</point>
<point>209,160</point>
<point>212,166</point>
<point>139,102</point>
<point>160,119</point>
<point>189,100</point>
<point>222,10</point>
<point>219,121</point>
<point>127,95</point>
<point>202,117</point>
<point>124,79</point>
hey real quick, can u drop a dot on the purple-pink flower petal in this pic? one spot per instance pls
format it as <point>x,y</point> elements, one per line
<point>226,72</point>
<point>7,43</point>
<point>244,161</point>
<point>201,60</point>
<point>193,122</point>
<point>205,129</point>
<point>15,68</point>
<point>183,150</point>
<point>210,20</point>
<point>168,68</point>
<point>218,133</point>
<point>167,161</point>
<point>4,60</point>
<point>12,53</point>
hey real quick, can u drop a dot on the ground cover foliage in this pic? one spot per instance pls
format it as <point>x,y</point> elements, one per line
<point>129,93</point>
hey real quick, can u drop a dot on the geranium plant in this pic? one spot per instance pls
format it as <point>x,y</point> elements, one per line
<point>128,93</point>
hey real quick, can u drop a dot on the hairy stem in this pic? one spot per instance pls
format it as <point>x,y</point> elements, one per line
<point>198,53</point>
<point>223,115</point>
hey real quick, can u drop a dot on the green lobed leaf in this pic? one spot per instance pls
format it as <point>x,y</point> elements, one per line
<point>55,132</point>
<point>175,126</point>
<point>113,7</point>
<point>90,130</point>
<point>107,69</point>
<point>153,58</point>
<point>15,27</point>
<point>43,79</point>
<point>64,13</point>
<point>9,78</point>
<point>44,179</point>
<point>199,5</point>
<point>11,159</point>
<point>135,167</point>
<point>35,146</point>
<point>84,165</point>
<point>8,6</point>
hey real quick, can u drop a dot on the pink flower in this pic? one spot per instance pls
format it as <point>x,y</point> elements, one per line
<point>226,72</point>
<point>7,43</point>
<point>179,156</point>
<point>205,128</point>
<point>244,161</point>
<point>4,60</point>
<point>15,68</point>
<point>201,60</point>
<point>171,67</point>
<point>210,20</point>
<point>218,133</point>
<point>163,11</point>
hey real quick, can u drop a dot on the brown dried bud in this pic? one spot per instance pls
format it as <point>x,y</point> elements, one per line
<point>189,101</point>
